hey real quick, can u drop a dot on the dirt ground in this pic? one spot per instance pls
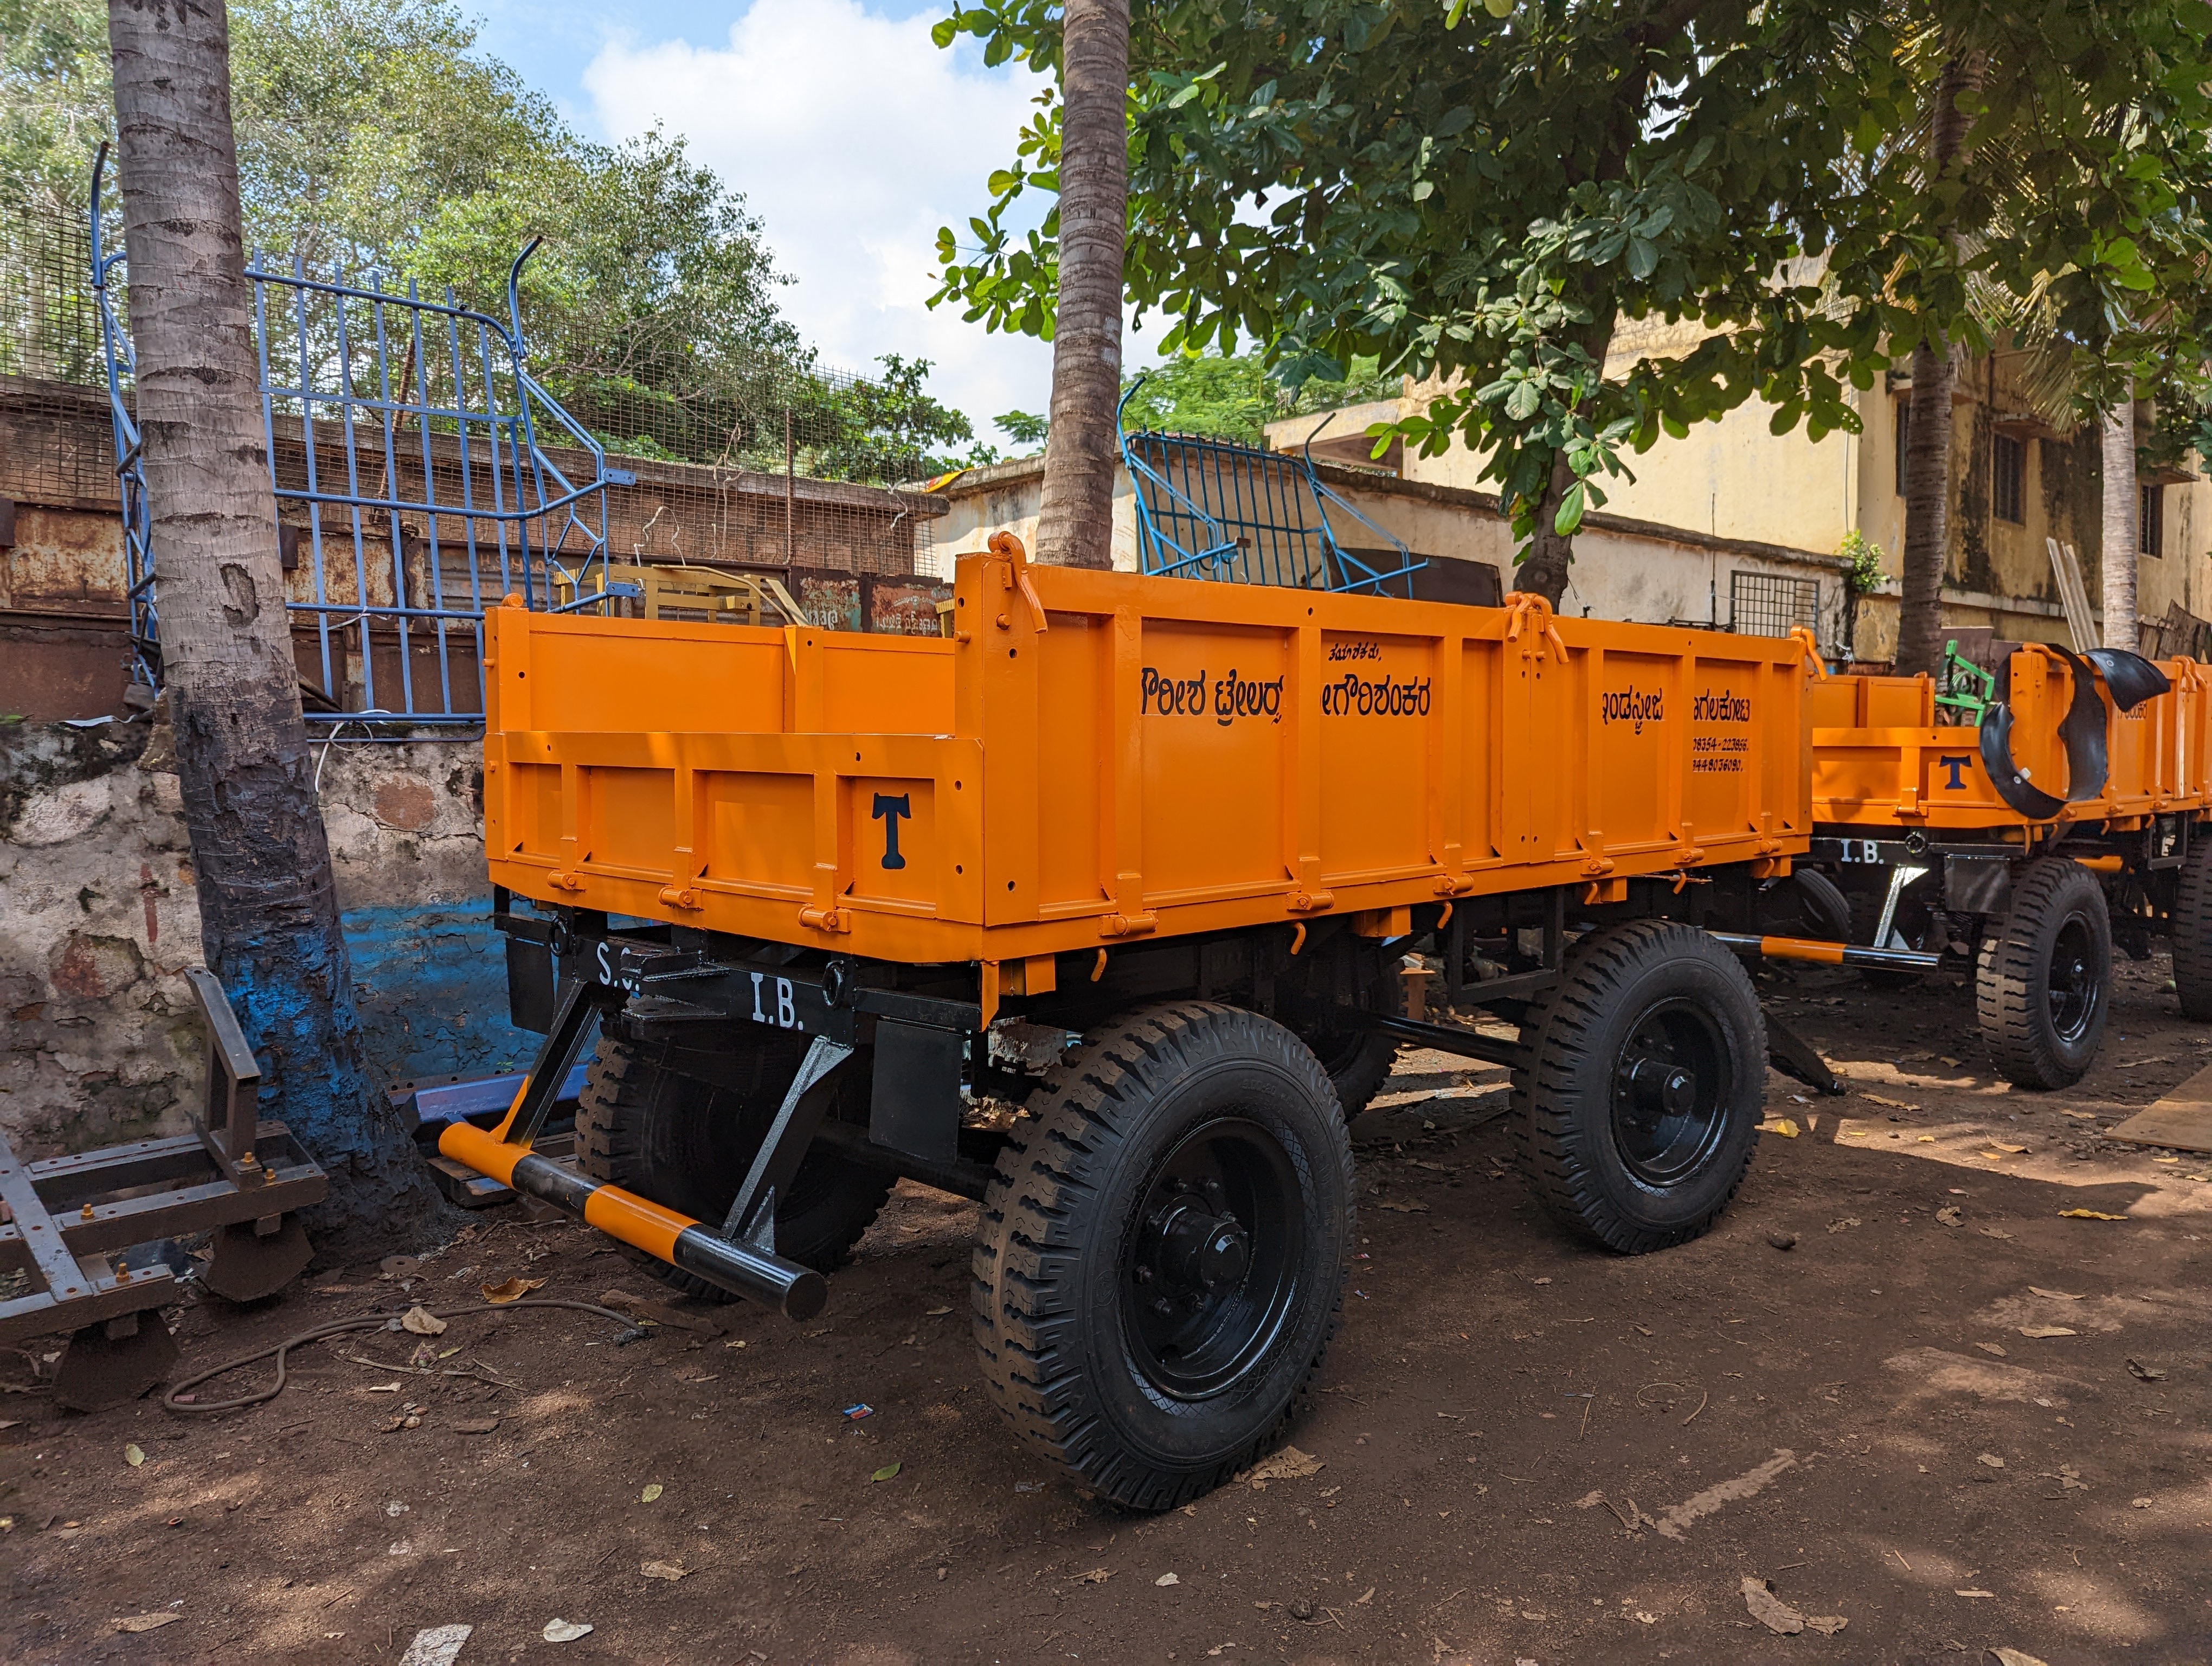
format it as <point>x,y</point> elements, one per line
<point>1529,1451</point>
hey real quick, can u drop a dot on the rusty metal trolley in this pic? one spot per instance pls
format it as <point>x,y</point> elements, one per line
<point>82,1226</point>
<point>2068,813</point>
<point>1142,857</point>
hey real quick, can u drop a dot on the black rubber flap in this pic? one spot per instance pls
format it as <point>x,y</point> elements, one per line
<point>2089,765</point>
<point>2132,678</point>
<point>1995,740</point>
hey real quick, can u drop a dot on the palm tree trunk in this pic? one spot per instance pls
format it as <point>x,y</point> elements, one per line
<point>260,860</point>
<point>2118,539</point>
<point>1075,525</point>
<point>1928,454</point>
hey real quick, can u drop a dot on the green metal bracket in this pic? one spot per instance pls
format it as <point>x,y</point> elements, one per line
<point>1965,687</point>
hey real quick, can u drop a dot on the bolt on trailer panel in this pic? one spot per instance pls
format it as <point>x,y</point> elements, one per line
<point>1094,757</point>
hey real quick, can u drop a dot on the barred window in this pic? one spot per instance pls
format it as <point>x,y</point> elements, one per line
<point>1769,604</point>
<point>2009,479</point>
<point>2150,520</point>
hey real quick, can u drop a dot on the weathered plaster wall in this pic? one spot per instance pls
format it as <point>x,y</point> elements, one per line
<point>98,918</point>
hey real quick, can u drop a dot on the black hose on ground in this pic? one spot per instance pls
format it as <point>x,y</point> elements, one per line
<point>362,1323</point>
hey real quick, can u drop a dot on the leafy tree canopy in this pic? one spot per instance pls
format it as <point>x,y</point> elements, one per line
<point>1234,397</point>
<point>374,134</point>
<point>1479,196</point>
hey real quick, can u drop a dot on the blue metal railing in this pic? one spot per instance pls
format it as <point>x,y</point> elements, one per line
<point>1216,509</point>
<point>406,441</point>
<point>121,362</point>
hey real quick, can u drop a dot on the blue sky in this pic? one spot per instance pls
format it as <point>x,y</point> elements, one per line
<point>850,136</point>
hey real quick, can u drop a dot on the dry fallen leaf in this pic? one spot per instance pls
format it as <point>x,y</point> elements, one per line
<point>564,1631</point>
<point>1951,1215</point>
<point>1098,1575</point>
<point>474,1425</point>
<point>2040,1331</point>
<point>1973,1593</point>
<point>1167,1579</point>
<point>1994,1233</point>
<point>1895,1104</point>
<point>936,1312</point>
<point>145,1622</point>
<point>653,1490</point>
<point>1404,1208</point>
<point>511,1290</point>
<point>133,1456</point>
<point>1827,1624</point>
<point>1991,1459</point>
<point>1770,1610</point>
<point>2015,1657</point>
<point>1289,1464</point>
<point>1847,1222</point>
<point>670,1571</point>
<point>1990,1348</point>
<point>2143,1373</point>
<point>2009,1150</point>
<point>420,1321</point>
<point>2055,1295</point>
<point>2087,1214</point>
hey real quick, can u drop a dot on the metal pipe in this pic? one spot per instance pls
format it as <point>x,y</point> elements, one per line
<point>1830,954</point>
<point>2103,864</point>
<point>796,1291</point>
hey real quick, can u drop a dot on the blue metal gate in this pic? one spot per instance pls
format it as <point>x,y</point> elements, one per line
<point>407,447</point>
<point>1215,509</point>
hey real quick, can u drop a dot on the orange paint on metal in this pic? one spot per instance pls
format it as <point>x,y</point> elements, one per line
<point>636,1221</point>
<point>484,1151</point>
<point>1802,948</point>
<point>2104,864</point>
<point>1882,759</point>
<point>1169,756</point>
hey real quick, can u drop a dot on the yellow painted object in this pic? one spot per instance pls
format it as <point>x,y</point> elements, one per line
<point>1882,760</point>
<point>742,596</point>
<point>1091,757</point>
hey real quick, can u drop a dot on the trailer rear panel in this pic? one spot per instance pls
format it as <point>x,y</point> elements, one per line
<point>1149,754</point>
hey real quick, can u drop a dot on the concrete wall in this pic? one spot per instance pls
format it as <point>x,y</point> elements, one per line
<point>1735,479</point>
<point>98,917</point>
<point>1623,569</point>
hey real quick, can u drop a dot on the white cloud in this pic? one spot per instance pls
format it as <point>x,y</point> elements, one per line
<point>854,138</point>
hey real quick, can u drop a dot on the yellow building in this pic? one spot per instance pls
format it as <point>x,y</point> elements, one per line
<point>2015,483</point>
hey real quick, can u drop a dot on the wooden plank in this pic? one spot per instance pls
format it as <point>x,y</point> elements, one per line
<point>2182,1121</point>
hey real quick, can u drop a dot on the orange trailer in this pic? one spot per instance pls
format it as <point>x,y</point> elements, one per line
<point>2070,815</point>
<point>1144,858</point>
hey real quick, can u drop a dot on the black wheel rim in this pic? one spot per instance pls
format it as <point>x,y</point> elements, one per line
<point>1672,1086</point>
<point>1211,1262</point>
<point>2076,981</point>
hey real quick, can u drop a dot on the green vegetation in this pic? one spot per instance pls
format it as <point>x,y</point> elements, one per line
<point>1482,194</point>
<point>373,134</point>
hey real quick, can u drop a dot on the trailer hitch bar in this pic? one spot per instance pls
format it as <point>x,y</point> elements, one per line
<point>1830,954</point>
<point>796,1291</point>
<point>741,1258</point>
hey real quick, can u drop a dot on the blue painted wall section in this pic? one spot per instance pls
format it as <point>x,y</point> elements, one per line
<point>430,987</point>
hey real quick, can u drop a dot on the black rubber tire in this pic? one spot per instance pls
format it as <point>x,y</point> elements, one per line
<point>1808,903</point>
<point>1566,1117</point>
<point>2041,1032</point>
<point>686,1143</point>
<point>1911,923</point>
<point>2192,928</point>
<point>1358,1061</point>
<point>1057,1322</point>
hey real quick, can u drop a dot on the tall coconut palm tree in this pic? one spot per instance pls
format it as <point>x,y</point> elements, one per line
<point>260,858</point>
<point>1075,527</point>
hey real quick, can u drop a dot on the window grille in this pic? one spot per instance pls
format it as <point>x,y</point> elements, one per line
<point>2150,520</point>
<point>2009,479</point>
<point>1772,604</point>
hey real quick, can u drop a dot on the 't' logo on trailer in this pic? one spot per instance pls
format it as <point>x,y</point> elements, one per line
<point>888,810</point>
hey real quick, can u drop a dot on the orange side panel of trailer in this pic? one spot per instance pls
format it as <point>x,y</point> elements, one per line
<point>1094,756</point>
<point>1880,759</point>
